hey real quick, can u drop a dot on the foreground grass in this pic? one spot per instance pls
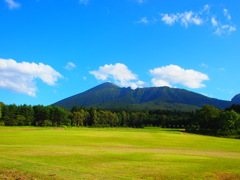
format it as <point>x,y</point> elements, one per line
<point>115,153</point>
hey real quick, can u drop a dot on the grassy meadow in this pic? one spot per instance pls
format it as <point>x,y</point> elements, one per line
<point>115,153</point>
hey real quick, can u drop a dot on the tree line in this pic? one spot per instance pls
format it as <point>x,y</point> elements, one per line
<point>207,120</point>
<point>213,121</point>
<point>39,115</point>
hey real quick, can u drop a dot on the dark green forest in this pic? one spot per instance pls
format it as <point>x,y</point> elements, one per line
<point>110,96</point>
<point>207,120</point>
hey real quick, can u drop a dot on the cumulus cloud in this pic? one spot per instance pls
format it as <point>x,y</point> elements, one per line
<point>20,77</point>
<point>70,66</point>
<point>12,4</point>
<point>173,74</point>
<point>119,73</point>
<point>221,22</point>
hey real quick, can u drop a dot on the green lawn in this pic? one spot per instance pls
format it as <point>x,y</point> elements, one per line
<point>115,153</point>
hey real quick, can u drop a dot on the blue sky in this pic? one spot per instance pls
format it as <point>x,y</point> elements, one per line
<point>50,49</point>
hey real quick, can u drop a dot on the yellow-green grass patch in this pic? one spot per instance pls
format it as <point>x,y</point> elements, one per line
<point>115,153</point>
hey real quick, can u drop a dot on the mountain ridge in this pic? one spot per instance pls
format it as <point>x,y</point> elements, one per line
<point>236,99</point>
<point>111,96</point>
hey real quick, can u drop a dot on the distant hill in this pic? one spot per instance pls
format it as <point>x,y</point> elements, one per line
<point>236,99</point>
<point>110,96</point>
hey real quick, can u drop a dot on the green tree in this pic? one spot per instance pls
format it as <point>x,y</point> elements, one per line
<point>9,113</point>
<point>1,106</point>
<point>41,113</point>
<point>125,119</point>
<point>47,123</point>
<point>208,118</point>
<point>115,120</point>
<point>75,109</point>
<point>93,117</point>
<point>107,119</point>
<point>164,119</point>
<point>229,122</point>
<point>12,110</point>
<point>235,107</point>
<point>20,120</point>
<point>79,117</point>
<point>58,116</point>
<point>28,113</point>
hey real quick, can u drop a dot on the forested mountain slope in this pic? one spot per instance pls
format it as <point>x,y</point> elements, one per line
<point>110,96</point>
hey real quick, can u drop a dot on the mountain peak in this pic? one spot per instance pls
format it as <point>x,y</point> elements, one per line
<point>106,85</point>
<point>236,99</point>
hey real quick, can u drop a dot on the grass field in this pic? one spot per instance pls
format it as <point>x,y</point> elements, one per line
<point>115,153</point>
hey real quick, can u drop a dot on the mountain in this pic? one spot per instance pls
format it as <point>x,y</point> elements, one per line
<point>110,96</point>
<point>236,99</point>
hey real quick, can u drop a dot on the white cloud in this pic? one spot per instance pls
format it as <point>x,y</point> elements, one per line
<point>185,18</point>
<point>85,2</point>
<point>226,14</point>
<point>20,77</point>
<point>173,74</point>
<point>190,18</point>
<point>119,73</point>
<point>159,83</point>
<point>12,4</point>
<point>141,83</point>
<point>214,22</point>
<point>222,25</point>
<point>225,29</point>
<point>70,66</point>
<point>143,20</point>
<point>169,18</point>
<point>206,9</point>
